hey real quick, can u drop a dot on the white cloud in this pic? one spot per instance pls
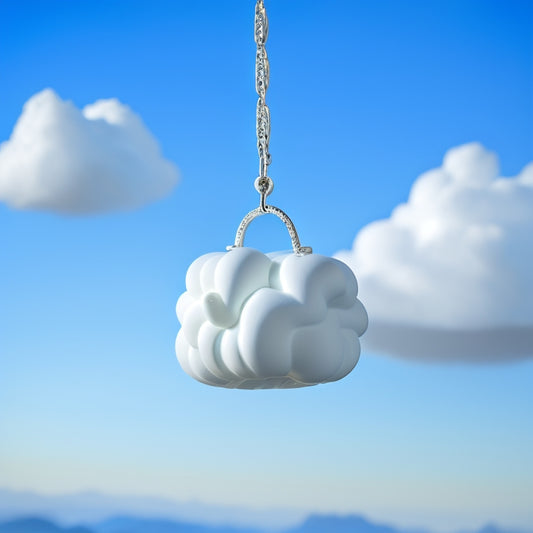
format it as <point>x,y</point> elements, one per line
<point>65,160</point>
<point>450,274</point>
<point>279,321</point>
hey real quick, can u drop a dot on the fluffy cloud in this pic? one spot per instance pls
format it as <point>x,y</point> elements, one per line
<point>253,321</point>
<point>65,160</point>
<point>450,274</point>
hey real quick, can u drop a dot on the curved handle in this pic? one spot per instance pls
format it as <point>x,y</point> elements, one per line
<point>263,210</point>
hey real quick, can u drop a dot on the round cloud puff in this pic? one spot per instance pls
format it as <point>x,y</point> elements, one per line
<point>256,321</point>
<point>66,160</point>
<point>449,275</point>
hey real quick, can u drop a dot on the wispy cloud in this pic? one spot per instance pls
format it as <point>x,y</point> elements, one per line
<point>450,274</point>
<point>66,160</point>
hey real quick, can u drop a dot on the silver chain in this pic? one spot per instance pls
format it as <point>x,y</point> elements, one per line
<point>262,74</point>
<point>263,184</point>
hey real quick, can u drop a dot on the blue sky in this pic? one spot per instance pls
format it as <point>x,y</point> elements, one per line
<point>364,97</point>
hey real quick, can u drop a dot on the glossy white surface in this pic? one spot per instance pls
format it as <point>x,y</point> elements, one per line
<point>257,321</point>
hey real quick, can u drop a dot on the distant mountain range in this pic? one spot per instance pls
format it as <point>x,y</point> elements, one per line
<point>38,525</point>
<point>91,512</point>
<point>93,507</point>
<point>313,524</point>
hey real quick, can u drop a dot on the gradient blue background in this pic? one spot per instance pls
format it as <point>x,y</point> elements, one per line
<point>364,96</point>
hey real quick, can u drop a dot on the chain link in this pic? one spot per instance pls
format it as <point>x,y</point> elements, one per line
<point>263,183</point>
<point>262,75</point>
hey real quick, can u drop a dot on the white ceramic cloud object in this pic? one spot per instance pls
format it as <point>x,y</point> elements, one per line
<point>256,321</point>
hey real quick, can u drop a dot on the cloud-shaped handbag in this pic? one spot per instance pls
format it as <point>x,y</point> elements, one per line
<point>280,320</point>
